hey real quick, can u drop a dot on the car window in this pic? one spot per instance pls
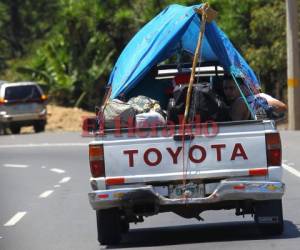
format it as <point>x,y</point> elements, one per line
<point>25,92</point>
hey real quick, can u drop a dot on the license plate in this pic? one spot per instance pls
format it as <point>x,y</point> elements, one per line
<point>25,108</point>
<point>190,190</point>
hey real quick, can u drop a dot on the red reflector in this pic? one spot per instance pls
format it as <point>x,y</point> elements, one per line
<point>258,172</point>
<point>96,151</point>
<point>97,168</point>
<point>103,196</point>
<point>274,157</point>
<point>273,148</point>
<point>239,187</point>
<point>115,181</point>
<point>97,165</point>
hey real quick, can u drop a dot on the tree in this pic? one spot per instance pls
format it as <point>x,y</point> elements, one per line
<point>257,29</point>
<point>22,22</point>
<point>267,51</point>
<point>71,46</point>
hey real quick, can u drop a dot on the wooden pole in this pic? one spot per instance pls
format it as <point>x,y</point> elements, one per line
<point>293,69</point>
<point>208,14</point>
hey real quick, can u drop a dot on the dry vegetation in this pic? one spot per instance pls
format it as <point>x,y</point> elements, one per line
<point>63,119</point>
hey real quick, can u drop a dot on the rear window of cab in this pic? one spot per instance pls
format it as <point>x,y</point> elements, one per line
<point>25,92</point>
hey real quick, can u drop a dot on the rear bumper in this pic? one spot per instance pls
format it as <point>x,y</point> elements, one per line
<point>7,118</point>
<point>226,191</point>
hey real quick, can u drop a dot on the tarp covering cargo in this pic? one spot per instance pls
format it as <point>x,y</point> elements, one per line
<point>175,28</point>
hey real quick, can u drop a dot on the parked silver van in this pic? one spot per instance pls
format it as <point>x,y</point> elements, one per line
<point>22,104</point>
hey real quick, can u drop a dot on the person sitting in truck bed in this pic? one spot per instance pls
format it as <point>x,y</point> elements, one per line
<point>277,106</point>
<point>268,107</point>
<point>238,108</point>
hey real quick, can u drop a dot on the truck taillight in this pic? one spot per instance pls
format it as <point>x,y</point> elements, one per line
<point>44,97</point>
<point>2,101</point>
<point>273,148</point>
<point>96,155</point>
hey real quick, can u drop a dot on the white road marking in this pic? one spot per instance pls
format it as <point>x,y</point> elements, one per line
<point>15,219</point>
<point>46,194</point>
<point>45,145</point>
<point>15,166</point>
<point>43,167</point>
<point>57,170</point>
<point>1,237</point>
<point>56,186</point>
<point>291,170</point>
<point>65,180</point>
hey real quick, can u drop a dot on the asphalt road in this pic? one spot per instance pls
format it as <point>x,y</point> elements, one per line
<point>44,204</point>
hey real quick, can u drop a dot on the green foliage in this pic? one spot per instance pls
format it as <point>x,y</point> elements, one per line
<point>257,29</point>
<point>267,52</point>
<point>22,21</point>
<point>71,46</point>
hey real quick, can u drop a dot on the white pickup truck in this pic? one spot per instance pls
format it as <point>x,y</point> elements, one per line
<point>234,165</point>
<point>143,172</point>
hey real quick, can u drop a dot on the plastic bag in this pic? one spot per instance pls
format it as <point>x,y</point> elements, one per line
<point>150,119</point>
<point>118,113</point>
<point>143,104</point>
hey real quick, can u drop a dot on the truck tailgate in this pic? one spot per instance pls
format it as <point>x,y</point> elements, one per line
<point>232,152</point>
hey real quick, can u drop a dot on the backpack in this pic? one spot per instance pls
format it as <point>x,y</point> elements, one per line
<point>205,103</point>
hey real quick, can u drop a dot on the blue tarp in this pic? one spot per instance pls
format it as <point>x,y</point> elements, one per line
<point>176,27</point>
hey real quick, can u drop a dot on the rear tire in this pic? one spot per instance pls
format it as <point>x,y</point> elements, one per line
<point>269,217</point>
<point>109,226</point>
<point>39,126</point>
<point>15,129</point>
<point>124,226</point>
<point>2,129</point>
